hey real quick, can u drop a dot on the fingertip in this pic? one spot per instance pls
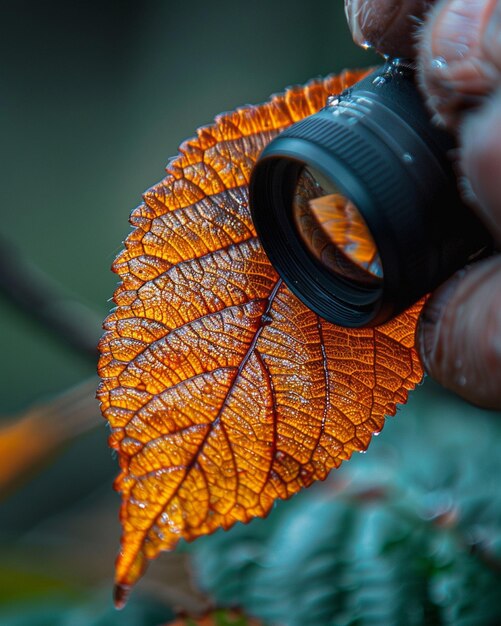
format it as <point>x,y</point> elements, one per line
<point>491,42</point>
<point>430,329</point>
<point>387,26</point>
<point>459,336</point>
<point>481,161</point>
<point>455,72</point>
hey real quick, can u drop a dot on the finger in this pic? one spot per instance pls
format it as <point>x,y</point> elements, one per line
<point>389,26</point>
<point>457,67</point>
<point>460,334</point>
<point>491,42</point>
<point>481,162</point>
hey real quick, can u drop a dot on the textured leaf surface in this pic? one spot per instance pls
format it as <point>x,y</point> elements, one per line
<point>408,534</point>
<point>223,391</point>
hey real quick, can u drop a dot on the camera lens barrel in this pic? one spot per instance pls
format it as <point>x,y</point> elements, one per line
<point>376,144</point>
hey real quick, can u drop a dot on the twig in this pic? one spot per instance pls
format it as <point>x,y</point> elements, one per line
<point>47,302</point>
<point>31,439</point>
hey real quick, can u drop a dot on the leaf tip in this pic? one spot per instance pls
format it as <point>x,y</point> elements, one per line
<point>120,595</point>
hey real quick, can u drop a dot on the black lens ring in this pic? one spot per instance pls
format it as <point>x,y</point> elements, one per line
<point>328,294</point>
<point>422,230</point>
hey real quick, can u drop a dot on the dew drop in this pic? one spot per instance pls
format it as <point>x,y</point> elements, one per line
<point>127,481</point>
<point>379,81</point>
<point>461,381</point>
<point>332,101</point>
<point>266,319</point>
<point>407,157</point>
<point>438,63</point>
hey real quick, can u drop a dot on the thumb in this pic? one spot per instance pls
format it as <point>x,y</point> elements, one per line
<point>459,336</point>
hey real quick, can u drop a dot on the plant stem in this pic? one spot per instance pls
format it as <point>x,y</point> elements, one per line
<point>45,301</point>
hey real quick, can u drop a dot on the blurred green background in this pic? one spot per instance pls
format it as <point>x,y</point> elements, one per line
<point>94,98</point>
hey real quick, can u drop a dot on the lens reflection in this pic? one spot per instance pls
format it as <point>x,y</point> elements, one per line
<point>333,230</point>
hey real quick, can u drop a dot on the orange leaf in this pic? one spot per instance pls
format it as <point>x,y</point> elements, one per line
<point>223,391</point>
<point>32,438</point>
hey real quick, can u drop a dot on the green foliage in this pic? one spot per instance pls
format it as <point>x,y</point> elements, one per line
<point>30,597</point>
<point>220,618</point>
<point>406,535</point>
<point>93,610</point>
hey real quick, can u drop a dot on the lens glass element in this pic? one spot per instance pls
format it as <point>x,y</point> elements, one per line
<point>333,230</point>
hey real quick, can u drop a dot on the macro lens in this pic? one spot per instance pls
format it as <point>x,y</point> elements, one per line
<point>357,206</point>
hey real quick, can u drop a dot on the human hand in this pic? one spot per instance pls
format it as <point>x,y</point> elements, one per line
<point>457,46</point>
